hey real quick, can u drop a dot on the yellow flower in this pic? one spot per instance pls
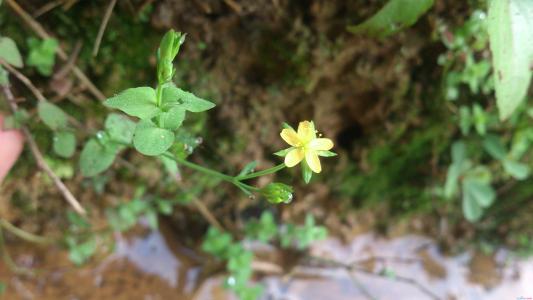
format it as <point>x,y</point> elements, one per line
<point>306,145</point>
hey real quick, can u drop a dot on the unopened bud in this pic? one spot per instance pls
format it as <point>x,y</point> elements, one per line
<point>276,192</point>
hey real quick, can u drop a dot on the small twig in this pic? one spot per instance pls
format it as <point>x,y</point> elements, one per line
<point>8,260</point>
<point>25,80</point>
<point>71,62</point>
<point>103,26</point>
<point>40,159</point>
<point>401,279</point>
<point>360,286</point>
<point>234,6</point>
<point>35,91</point>
<point>39,30</point>
<point>353,267</point>
<point>46,8</point>
<point>204,211</point>
<point>30,237</point>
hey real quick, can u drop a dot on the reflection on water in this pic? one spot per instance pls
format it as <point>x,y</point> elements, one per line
<point>152,265</point>
<point>466,276</point>
<point>152,255</point>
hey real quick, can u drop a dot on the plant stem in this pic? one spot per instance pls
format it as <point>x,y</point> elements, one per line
<point>228,178</point>
<point>261,173</point>
<point>23,234</point>
<point>158,95</point>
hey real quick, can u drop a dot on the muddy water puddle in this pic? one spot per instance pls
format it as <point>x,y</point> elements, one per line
<point>152,265</point>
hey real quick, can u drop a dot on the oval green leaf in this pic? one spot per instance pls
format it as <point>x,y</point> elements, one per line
<point>511,43</point>
<point>151,140</point>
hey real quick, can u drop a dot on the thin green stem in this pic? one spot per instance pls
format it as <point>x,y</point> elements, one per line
<point>9,261</point>
<point>261,173</point>
<point>159,95</point>
<point>30,237</point>
<point>228,178</point>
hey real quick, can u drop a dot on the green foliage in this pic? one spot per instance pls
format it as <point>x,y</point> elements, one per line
<point>64,143</point>
<point>10,53</point>
<point>477,193</point>
<point>64,140</point>
<point>302,236</point>
<point>79,239</point>
<point>393,17</point>
<point>264,230</point>
<point>173,96</point>
<point>52,115</point>
<point>99,153</point>
<point>137,102</point>
<point>221,245</point>
<point>120,128</point>
<point>80,252</point>
<point>239,261</point>
<point>511,41</point>
<point>151,140</point>
<point>126,215</point>
<point>461,63</point>
<point>96,157</point>
<point>2,285</point>
<point>306,172</point>
<point>42,55</point>
<point>168,49</point>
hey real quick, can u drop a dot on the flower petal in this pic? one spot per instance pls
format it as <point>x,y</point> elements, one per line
<point>294,157</point>
<point>306,131</point>
<point>311,157</point>
<point>291,137</point>
<point>321,144</point>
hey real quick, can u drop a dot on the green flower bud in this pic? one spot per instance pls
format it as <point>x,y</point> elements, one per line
<point>168,49</point>
<point>276,192</point>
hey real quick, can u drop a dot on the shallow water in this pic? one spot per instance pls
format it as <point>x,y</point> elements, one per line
<point>152,265</point>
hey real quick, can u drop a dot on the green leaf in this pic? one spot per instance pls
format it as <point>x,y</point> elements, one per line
<point>471,209</point>
<point>64,143</point>
<point>393,17</point>
<point>137,102</point>
<point>96,158</point>
<point>326,153</point>
<point>4,76</point>
<point>151,140</point>
<point>171,166</point>
<point>120,128</point>
<point>511,43</point>
<point>452,180</point>
<point>458,152</point>
<point>42,54</point>
<point>151,218</point>
<point>481,192</point>
<point>494,146</point>
<point>306,172</point>
<point>52,115</point>
<point>173,95</point>
<point>480,119</point>
<point>283,152</point>
<point>465,120</point>
<point>249,168</point>
<point>10,53</point>
<point>173,118</point>
<point>516,169</point>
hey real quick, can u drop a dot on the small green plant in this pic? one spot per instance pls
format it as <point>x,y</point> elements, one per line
<point>239,260</point>
<point>161,113</point>
<point>127,215</point>
<point>42,55</point>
